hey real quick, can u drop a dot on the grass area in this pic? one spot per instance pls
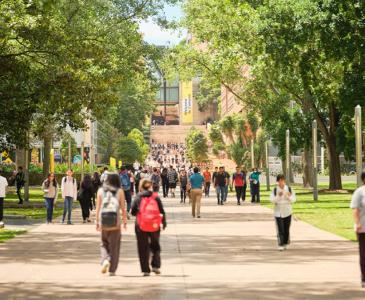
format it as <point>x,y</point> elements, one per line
<point>35,194</point>
<point>6,234</point>
<point>331,212</point>
<point>32,212</point>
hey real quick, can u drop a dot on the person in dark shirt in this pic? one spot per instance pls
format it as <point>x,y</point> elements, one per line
<point>220,183</point>
<point>215,173</point>
<point>227,184</point>
<point>19,183</point>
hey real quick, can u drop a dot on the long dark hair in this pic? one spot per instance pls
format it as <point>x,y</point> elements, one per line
<point>96,179</point>
<point>112,182</point>
<point>87,182</point>
<point>48,180</point>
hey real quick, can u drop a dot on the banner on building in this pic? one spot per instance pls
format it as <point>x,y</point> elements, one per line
<point>186,88</point>
<point>113,162</point>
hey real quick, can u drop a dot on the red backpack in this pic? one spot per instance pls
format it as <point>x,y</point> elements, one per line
<point>149,218</point>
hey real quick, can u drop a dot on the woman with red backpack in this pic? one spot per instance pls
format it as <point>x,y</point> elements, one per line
<point>148,209</point>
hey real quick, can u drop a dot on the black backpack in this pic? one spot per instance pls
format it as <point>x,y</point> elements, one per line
<point>276,190</point>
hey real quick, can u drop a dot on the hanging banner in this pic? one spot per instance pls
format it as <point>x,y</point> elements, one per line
<point>186,97</point>
<point>113,162</point>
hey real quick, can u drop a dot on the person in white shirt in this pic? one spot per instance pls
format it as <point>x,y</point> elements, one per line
<point>358,211</point>
<point>3,185</point>
<point>69,193</point>
<point>282,196</point>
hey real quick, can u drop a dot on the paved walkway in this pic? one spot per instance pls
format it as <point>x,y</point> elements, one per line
<point>228,254</point>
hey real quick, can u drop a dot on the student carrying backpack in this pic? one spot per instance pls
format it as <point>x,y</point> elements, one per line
<point>148,208</point>
<point>110,217</point>
<point>126,186</point>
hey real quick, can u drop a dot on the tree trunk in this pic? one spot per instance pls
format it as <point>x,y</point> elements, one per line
<point>47,151</point>
<point>334,165</point>
<point>307,168</point>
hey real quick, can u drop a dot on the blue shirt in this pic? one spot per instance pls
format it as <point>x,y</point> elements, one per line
<point>196,181</point>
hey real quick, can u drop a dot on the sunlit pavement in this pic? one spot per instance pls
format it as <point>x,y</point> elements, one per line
<point>230,253</point>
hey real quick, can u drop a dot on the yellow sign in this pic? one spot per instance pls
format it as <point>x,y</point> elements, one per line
<point>51,160</point>
<point>113,162</point>
<point>120,164</point>
<point>186,96</point>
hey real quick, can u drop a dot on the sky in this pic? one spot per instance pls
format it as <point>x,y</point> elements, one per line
<point>155,35</point>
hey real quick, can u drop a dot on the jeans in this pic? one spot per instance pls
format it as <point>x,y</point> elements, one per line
<point>148,242</point>
<point>255,192</point>
<point>19,193</point>
<point>361,239</point>
<point>165,188</point>
<point>67,209</point>
<point>225,193</point>
<point>207,189</point>
<point>128,199</point>
<point>239,193</point>
<point>221,190</point>
<point>183,193</point>
<point>49,207</point>
<point>1,208</point>
<point>283,229</point>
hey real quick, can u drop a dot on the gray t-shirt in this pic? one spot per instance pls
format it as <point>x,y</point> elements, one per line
<point>358,201</point>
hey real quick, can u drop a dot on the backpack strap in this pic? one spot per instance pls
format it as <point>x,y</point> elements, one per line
<point>289,188</point>
<point>275,191</point>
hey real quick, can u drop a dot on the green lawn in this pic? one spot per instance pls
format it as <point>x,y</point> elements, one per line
<point>331,212</point>
<point>35,195</point>
<point>32,212</point>
<point>6,234</point>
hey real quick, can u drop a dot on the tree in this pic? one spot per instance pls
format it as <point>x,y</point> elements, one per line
<point>66,139</point>
<point>239,154</point>
<point>309,51</point>
<point>197,146</point>
<point>129,151</point>
<point>138,137</point>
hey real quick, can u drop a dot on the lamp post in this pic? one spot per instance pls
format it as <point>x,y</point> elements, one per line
<point>287,152</point>
<point>315,163</point>
<point>82,159</point>
<point>267,166</point>
<point>358,136</point>
<point>252,154</point>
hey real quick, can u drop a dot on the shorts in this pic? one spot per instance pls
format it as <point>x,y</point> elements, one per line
<point>172,185</point>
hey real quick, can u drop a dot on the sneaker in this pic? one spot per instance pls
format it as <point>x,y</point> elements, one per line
<point>363,284</point>
<point>111,273</point>
<point>88,220</point>
<point>281,248</point>
<point>128,216</point>
<point>238,203</point>
<point>63,222</point>
<point>198,217</point>
<point>105,266</point>
<point>156,271</point>
<point>146,274</point>
<point>2,225</point>
<point>84,221</point>
<point>286,247</point>
<point>69,223</point>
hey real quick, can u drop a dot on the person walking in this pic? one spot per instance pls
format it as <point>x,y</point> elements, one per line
<point>3,187</point>
<point>220,185</point>
<point>196,182</point>
<point>183,185</point>
<point>137,177</point>
<point>358,211</point>
<point>85,196</point>
<point>172,177</point>
<point>238,183</point>
<point>255,185</point>
<point>104,174</point>
<point>126,186</point>
<point>148,209</point>
<point>155,179</point>
<point>19,183</point>
<point>282,196</point>
<point>96,186</point>
<point>207,179</point>
<point>165,182</point>
<point>50,190</point>
<point>215,173</point>
<point>69,193</point>
<point>226,187</point>
<point>110,208</point>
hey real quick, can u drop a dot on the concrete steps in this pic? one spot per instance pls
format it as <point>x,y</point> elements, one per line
<point>173,133</point>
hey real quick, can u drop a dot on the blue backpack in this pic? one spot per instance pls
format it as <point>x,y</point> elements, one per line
<point>126,182</point>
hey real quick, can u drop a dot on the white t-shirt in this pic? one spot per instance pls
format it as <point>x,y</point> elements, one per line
<point>3,185</point>
<point>358,201</point>
<point>283,203</point>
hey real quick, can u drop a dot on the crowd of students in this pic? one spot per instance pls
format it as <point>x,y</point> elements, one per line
<point>111,195</point>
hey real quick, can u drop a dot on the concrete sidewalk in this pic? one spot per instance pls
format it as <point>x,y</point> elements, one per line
<point>230,253</point>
